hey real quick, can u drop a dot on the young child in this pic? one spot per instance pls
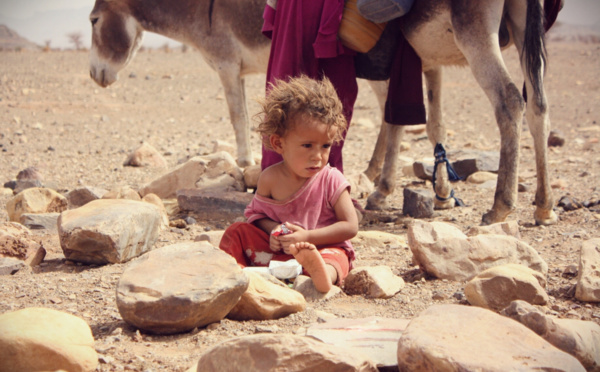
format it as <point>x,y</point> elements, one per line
<point>302,119</point>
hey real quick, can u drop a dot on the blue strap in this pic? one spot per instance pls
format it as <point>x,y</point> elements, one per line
<point>440,157</point>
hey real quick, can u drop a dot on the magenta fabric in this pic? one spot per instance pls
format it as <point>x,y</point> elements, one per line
<point>551,9</point>
<point>304,42</point>
<point>404,104</point>
<point>311,207</point>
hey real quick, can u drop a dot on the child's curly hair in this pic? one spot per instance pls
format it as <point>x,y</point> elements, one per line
<point>300,96</point>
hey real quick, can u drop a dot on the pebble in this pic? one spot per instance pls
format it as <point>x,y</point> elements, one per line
<point>556,138</point>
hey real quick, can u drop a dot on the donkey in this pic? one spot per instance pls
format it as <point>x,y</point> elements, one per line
<point>227,33</point>
<point>443,32</point>
<point>460,32</point>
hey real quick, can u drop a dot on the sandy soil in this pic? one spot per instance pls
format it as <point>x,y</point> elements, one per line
<point>54,117</point>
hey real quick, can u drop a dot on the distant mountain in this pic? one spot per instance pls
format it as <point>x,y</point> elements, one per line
<point>54,25</point>
<point>10,40</point>
<point>563,32</point>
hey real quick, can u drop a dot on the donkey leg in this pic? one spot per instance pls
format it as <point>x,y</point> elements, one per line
<point>436,132</point>
<point>537,119</point>
<point>380,89</point>
<point>479,43</point>
<point>387,181</point>
<point>537,109</point>
<point>233,85</point>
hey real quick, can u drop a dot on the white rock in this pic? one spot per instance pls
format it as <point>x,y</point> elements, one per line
<point>373,282</point>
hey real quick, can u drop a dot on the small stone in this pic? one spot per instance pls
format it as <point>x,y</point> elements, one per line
<point>569,203</point>
<point>558,184</point>
<point>418,203</point>
<point>570,271</point>
<point>190,220</point>
<point>556,138</point>
<point>524,187</point>
<point>178,223</point>
<point>438,296</point>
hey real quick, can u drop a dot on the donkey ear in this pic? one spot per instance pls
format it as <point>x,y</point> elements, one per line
<point>275,142</point>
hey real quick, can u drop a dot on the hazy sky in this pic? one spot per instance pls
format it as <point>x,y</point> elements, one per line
<point>41,20</point>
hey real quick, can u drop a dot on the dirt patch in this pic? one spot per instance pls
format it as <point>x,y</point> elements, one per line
<point>54,117</point>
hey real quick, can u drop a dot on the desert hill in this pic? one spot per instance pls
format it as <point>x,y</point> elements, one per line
<point>10,40</point>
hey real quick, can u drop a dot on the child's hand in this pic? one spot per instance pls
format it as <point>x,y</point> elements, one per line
<point>274,242</point>
<point>297,234</point>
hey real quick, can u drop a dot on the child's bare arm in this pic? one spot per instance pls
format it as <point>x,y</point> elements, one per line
<point>267,225</point>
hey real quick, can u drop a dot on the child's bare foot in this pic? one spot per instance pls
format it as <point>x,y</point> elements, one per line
<point>309,257</point>
<point>297,247</point>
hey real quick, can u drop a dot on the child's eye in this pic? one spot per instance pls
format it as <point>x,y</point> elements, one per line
<point>327,145</point>
<point>307,145</point>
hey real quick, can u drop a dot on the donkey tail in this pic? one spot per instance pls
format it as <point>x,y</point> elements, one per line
<point>534,48</point>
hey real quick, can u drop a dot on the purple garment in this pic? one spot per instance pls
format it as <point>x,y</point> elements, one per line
<point>404,104</point>
<point>304,42</point>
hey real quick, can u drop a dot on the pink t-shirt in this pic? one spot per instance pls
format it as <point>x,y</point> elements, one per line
<point>311,207</point>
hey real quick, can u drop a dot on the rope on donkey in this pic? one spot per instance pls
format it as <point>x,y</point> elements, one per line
<point>440,157</point>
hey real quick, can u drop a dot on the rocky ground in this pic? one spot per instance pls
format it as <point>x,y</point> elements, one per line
<point>54,117</point>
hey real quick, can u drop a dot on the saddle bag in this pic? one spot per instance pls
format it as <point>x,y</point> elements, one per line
<point>356,32</point>
<point>380,11</point>
<point>376,64</point>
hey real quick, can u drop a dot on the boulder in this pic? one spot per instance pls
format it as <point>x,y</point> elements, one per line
<point>375,337</point>
<point>463,338</point>
<point>498,286</point>
<point>442,250</point>
<point>83,195</point>
<point>306,287</point>
<point>35,200</point>
<point>588,281</point>
<point>212,172</point>
<point>266,298</point>
<point>579,338</point>
<point>16,241</point>
<point>271,352</point>
<point>108,230</point>
<point>180,287</point>
<point>40,339</point>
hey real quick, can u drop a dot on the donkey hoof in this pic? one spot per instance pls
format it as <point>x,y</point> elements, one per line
<point>490,218</point>
<point>245,162</point>
<point>545,217</point>
<point>376,202</point>
<point>444,204</point>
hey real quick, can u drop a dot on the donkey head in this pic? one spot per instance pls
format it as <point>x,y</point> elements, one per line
<point>116,36</point>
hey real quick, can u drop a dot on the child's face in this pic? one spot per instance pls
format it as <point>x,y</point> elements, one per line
<point>305,148</point>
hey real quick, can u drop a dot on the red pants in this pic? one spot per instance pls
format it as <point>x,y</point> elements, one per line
<point>249,245</point>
